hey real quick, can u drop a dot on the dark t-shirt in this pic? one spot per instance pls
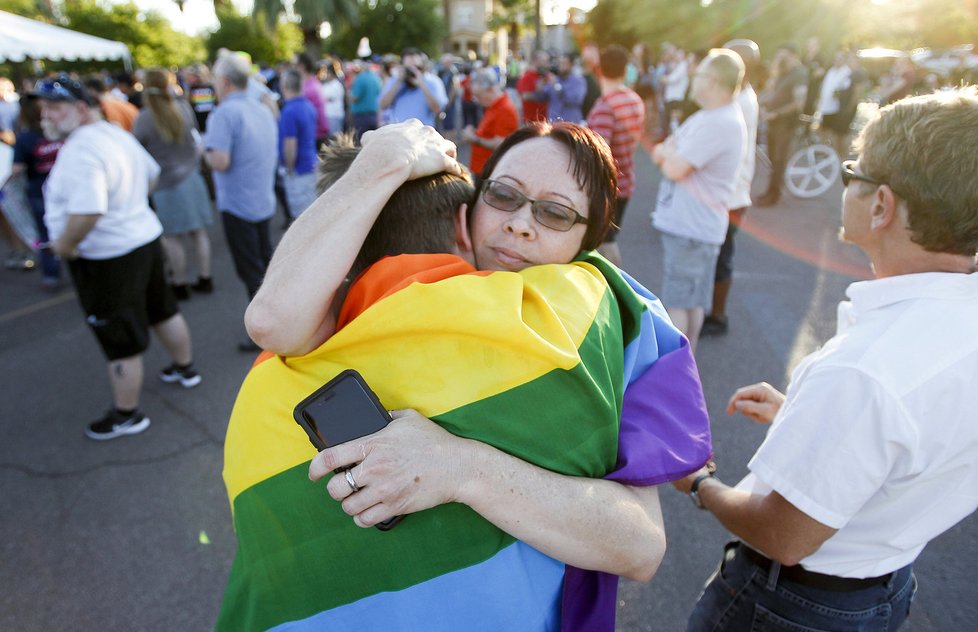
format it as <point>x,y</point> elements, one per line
<point>38,154</point>
<point>202,99</point>
<point>784,89</point>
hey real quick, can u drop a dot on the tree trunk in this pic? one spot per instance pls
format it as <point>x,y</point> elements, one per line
<point>312,42</point>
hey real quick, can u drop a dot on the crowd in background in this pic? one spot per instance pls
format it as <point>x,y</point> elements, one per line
<point>348,96</point>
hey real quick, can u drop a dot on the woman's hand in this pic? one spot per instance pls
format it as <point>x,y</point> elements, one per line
<point>411,465</point>
<point>417,149</point>
<point>760,402</point>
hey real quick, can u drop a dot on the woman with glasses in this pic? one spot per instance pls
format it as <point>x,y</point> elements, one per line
<point>166,127</point>
<point>546,198</point>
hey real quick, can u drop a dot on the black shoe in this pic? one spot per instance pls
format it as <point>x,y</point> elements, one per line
<point>204,285</point>
<point>714,326</point>
<point>247,345</point>
<point>182,291</point>
<point>115,425</point>
<point>186,376</point>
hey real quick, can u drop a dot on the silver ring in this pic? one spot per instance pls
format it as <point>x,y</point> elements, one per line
<point>351,481</point>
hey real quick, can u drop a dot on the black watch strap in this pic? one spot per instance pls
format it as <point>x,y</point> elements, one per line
<point>694,489</point>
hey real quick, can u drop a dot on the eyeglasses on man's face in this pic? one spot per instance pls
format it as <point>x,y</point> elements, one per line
<point>553,215</point>
<point>849,174</point>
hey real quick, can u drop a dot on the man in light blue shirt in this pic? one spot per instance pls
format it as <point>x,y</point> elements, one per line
<point>241,143</point>
<point>413,93</point>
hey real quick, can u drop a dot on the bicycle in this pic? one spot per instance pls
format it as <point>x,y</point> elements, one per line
<point>814,166</point>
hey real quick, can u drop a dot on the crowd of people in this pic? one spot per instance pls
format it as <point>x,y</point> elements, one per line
<point>558,393</point>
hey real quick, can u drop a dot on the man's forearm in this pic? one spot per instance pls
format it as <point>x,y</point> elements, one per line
<point>76,229</point>
<point>768,523</point>
<point>589,523</point>
<point>289,151</point>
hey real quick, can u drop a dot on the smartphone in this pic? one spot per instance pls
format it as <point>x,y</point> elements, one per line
<point>342,410</point>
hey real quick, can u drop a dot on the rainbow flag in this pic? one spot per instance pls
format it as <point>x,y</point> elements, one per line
<point>570,367</point>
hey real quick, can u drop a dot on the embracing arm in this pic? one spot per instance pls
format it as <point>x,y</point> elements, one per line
<point>414,464</point>
<point>288,315</point>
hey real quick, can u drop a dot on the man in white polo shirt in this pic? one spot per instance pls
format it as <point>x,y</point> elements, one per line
<point>872,453</point>
<point>97,214</point>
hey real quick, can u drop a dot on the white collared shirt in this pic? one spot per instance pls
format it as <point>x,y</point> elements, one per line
<point>879,432</point>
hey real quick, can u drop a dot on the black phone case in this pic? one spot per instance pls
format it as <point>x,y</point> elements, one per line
<point>315,428</point>
<point>364,400</point>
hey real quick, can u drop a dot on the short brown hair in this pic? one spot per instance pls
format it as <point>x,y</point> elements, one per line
<point>593,165</point>
<point>418,218</point>
<point>918,147</point>
<point>614,62</point>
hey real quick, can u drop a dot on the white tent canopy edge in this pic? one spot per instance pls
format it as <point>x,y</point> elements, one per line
<point>22,38</point>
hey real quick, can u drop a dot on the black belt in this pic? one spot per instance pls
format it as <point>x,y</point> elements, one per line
<point>804,577</point>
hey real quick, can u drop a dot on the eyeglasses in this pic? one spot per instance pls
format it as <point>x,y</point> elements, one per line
<point>849,174</point>
<point>553,215</point>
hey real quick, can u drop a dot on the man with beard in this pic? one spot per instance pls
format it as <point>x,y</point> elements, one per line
<point>98,217</point>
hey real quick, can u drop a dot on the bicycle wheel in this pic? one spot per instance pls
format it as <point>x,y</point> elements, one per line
<point>811,170</point>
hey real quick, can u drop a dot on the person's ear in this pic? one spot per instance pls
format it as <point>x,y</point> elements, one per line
<point>463,240</point>
<point>886,208</point>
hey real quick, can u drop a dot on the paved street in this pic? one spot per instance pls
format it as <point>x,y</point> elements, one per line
<point>134,534</point>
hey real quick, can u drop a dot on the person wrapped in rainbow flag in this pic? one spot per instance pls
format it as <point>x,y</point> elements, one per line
<point>538,384</point>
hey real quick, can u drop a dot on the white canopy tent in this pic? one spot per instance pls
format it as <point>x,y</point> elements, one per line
<point>22,38</point>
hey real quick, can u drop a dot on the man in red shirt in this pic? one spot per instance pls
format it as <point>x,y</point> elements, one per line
<point>618,116</point>
<point>499,120</point>
<point>531,88</point>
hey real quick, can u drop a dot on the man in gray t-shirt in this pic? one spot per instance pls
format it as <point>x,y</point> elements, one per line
<point>700,163</point>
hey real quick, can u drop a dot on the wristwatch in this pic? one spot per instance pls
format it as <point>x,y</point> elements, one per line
<point>694,489</point>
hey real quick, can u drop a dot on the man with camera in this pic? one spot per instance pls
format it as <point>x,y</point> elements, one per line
<point>413,93</point>
<point>565,91</point>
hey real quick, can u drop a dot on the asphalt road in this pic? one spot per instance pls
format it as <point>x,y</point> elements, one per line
<point>134,534</point>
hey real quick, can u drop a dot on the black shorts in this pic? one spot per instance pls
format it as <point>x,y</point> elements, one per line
<point>612,235</point>
<point>123,297</point>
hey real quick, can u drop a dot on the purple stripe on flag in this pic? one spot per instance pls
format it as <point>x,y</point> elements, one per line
<point>665,427</point>
<point>665,435</point>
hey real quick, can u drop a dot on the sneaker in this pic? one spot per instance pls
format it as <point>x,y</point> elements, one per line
<point>181,292</point>
<point>714,326</point>
<point>204,285</point>
<point>186,376</point>
<point>115,425</point>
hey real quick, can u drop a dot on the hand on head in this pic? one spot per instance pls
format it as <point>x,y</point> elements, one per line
<point>416,149</point>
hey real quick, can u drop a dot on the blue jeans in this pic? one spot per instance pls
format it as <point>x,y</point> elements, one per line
<point>742,597</point>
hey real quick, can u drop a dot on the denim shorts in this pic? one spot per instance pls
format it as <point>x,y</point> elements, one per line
<point>741,597</point>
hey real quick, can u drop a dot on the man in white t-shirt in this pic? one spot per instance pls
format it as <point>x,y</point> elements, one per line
<point>716,322</point>
<point>871,453</point>
<point>699,165</point>
<point>99,220</point>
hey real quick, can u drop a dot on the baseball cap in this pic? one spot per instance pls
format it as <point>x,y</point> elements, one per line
<point>63,88</point>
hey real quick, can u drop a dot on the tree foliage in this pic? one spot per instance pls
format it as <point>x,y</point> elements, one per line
<point>254,36</point>
<point>309,15</point>
<point>896,24</point>
<point>392,25</point>
<point>151,39</point>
